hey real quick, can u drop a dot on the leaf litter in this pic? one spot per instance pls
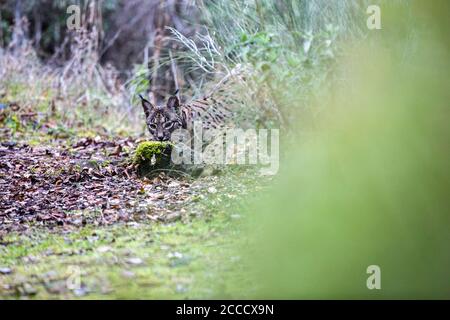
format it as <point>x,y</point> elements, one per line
<point>88,182</point>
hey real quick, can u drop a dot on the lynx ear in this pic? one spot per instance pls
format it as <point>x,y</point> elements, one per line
<point>173,103</point>
<point>146,105</point>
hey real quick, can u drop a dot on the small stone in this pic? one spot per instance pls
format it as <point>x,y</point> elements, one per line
<point>5,270</point>
<point>28,289</point>
<point>135,261</point>
<point>172,217</point>
<point>180,288</point>
<point>30,259</point>
<point>80,292</point>
<point>176,255</point>
<point>103,249</point>
<point>77,222</point>
<point>212,190</point>
<point>128,274</point>
<point>114,202</point>
<point>173,184</point>
<point>56,287</point>
<point>133,224</point>
<point>52,274</point>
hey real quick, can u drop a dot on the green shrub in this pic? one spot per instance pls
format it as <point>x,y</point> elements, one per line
<point>281,51</point>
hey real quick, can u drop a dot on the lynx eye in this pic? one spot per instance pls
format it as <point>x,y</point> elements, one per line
<point>168,125</point>
<point>153,126</point>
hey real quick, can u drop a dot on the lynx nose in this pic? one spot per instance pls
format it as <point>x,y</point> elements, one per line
<point>160,136</point>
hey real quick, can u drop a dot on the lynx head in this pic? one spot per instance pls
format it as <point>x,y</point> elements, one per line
<point>162,120</point>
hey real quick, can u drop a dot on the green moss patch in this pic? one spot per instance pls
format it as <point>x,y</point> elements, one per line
<point>147,149</point>
<point>151,155</point>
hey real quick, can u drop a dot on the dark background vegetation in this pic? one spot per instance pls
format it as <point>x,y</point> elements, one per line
<point>129,32</point>
<point>127,28</point>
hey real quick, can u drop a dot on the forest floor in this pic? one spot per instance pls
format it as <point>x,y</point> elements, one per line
<point>77,222</point>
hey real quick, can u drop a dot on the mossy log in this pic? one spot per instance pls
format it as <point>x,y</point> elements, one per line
<point>152,155</point>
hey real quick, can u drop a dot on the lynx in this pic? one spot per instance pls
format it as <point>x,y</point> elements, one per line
<point>163,120</point>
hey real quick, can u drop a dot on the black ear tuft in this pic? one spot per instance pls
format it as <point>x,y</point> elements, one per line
<point>146,105</point>
<point>173,103</point>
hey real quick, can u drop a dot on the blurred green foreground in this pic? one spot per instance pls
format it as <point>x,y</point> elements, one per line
<point>372,185</point>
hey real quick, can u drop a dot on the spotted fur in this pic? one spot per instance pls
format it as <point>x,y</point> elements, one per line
<point>163,120</point>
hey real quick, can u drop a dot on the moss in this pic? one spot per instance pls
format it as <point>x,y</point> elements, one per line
<point>146,150</point>
<point>151,155</point>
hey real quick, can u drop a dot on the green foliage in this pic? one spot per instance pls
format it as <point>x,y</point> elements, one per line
<point>13,123</point>
<point>371,188</point>
<point>285,51</point>
<point>138,83</point>
<point>146,150</point>
<point>172,259</point>
<point>61,132</point>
